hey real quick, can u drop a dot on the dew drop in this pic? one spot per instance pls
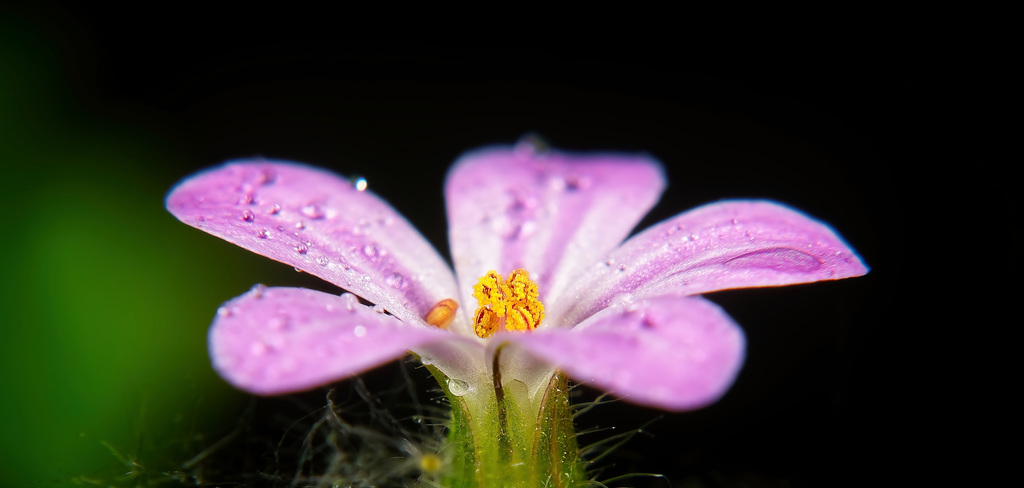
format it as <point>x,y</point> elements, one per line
<point>313,211</point>
<point>278,323</point>
<point>359,183</point>
<point>301,248</point>
<point>259,349</point>
<point>263,234</point>
<point>248,216</point>
<point>370,250</point>
<point>223,312</point>
<point>350,301</point>
<point>395,280</point>
<point>266,177</point>
<point>457,387</point>
<point>622,267</point>
<point>274,209</point>
<point>359,331</point>
<point>258,290</point>
<point>323,260</point>
<point>300,225</point>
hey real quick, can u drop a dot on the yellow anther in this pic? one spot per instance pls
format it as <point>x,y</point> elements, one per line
<point>442,313</point>
<point>512,304</point>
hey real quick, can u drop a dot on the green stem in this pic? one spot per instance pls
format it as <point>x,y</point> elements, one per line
<point>500,438</point>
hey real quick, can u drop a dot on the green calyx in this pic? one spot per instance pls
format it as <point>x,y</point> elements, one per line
<point>497,437</point>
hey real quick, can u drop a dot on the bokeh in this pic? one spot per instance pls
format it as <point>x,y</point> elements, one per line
<point>107,298</point>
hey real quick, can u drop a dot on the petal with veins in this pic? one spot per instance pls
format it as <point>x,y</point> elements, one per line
<point>280,340</point>
<point>670,352</point>
<point>320,223</point>
<point>730,244</point>
<point>550,213</point>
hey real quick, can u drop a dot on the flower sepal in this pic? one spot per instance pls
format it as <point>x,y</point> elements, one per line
<point>498,437</point>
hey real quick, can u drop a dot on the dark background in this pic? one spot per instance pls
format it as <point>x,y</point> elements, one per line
<point>102,115</point>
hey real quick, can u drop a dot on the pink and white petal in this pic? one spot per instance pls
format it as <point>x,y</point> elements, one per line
<point>317,221</point>
<point>280,340</point>
<point>730,244</point>
<point>669,352</point>
<point>551,213</point>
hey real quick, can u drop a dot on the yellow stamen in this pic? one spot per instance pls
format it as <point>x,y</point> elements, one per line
<point>512,304</point>
<point>442,313</point>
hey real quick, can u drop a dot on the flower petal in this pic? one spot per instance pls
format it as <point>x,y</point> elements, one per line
<point>670,352</point>
<point>731,244</point>
<point>550,213</point>
<point>279,340</point>
<point>320,223</point>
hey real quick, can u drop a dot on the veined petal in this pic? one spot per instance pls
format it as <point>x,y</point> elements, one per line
<point>280,340</point>
<point>730,244</point>
<point>320,223</point>
<point>550,213</point>
<point>670,352</point>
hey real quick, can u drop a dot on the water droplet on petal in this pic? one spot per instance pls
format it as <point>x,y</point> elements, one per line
<point>301,248</point>
<point>369,250</point>
<point>395,280</point>
<point>323,260</point>
<point>258,349</point>
<point>313,211</point>
<point>263,234</point>
<point>248,216</point>
<point>359,331</point>
<point>350,301</point>
<point>300,225</point>
<point>223,312</point>
<point>457,387</point>
<point>257,290</point>
<point>266,177</point>
<point>278,323</point>
<point>359,183</point>
<point>274,209</point>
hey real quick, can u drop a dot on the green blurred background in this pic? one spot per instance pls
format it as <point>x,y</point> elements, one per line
<point>106,298</point>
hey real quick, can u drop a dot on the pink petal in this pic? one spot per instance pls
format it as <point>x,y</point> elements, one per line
<point>732,244</point>
<point>320,223</point>
<point>551,213</point>
<point>670,352</point>
<point>280,340</point>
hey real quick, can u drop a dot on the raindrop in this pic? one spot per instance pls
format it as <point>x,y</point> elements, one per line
<point>457,387</point>
<point>280,228</point>
<point>223,312</point>
<point>257,290</point>
<point>300,225</point>
<point>322,260</point>
<point>274,209</point>
<point>359,331</point>
<point>301,248</point>
<point>263,234</point>
<point>313,211</point>
<point>248,216</point>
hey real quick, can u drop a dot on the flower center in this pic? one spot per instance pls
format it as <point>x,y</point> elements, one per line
<point>506,305</point>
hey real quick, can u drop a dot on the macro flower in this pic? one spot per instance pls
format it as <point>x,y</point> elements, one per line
<point>544,279</point>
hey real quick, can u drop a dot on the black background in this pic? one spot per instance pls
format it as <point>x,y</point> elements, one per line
<point>832,390</point>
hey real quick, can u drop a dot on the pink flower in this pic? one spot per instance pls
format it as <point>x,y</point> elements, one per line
<point>623,316</point>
